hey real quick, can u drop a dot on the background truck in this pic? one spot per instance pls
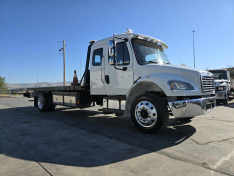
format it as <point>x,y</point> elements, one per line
<point>130,74</point>
<point>223,90</point>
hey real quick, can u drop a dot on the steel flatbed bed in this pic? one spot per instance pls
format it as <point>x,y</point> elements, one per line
<point>55,88</point>
<point>73,96</point>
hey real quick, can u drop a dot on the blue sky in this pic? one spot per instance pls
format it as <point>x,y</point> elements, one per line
<point>30,30</point>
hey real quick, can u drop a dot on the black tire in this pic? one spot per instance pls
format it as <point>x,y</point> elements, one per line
<point>225,102</point>
<point>185,118</point>
<point>51,105</point>
<point>161,113</point>
<point>43,102</point>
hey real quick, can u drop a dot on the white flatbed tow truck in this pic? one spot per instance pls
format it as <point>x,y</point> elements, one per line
<point>130,74</point>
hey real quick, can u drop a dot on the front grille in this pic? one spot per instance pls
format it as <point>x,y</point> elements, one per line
<point>207,84</point>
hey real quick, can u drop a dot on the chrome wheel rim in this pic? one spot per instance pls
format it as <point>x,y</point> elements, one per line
<point>40,102</point>
<point>146,114</point>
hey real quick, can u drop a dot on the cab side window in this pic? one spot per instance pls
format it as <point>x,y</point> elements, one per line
<point>122,57</point>
<point>97,57</point>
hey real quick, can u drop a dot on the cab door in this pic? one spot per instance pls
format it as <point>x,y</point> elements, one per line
<point>118,82</point>
<point>97,66</point>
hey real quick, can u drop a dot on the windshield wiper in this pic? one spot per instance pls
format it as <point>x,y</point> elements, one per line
<point>152,61</point>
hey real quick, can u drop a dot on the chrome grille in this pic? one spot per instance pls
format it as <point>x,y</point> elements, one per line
<point>207,84</point>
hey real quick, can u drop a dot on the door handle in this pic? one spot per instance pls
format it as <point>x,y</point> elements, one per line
<point>107,78</point>
<point>101,69</point>
<point>125,68</point>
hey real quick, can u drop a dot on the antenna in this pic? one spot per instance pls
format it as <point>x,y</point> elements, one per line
<point>193,50</point>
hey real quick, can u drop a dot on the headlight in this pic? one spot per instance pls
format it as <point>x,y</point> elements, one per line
<point>177,85</point>
<point>221,88</point>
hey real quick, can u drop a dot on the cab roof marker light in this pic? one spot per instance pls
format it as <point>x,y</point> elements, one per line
<point>151,39</point>
<point>135,36</point>
<point>146,38</point>
<point>155,41</point>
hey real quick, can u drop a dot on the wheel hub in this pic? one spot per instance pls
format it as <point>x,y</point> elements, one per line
<point>146,114</point>
<point>40,102</point>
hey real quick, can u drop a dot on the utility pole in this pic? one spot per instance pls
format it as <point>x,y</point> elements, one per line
<point>9,79</point>
<point>64,81</point>
<point>193,50</point>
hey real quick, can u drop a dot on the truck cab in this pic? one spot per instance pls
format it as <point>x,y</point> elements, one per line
<point>222,81</point>
<point>132,72</point>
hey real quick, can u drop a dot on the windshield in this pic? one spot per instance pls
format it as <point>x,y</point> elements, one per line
<point>219,74</point>
<point>147,52</point>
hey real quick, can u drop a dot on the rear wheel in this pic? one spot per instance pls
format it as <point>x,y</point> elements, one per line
<point>51,105</point>
<point>149,113</point>
<point>43,102</point>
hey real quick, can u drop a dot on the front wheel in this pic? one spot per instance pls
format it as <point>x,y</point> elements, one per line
<point>149,113</point>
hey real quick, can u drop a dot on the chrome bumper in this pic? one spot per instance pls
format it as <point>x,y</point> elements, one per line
<point>192,107</point>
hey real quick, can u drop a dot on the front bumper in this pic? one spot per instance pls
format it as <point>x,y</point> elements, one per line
<point>192,107</point>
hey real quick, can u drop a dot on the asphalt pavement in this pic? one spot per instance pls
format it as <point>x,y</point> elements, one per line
<point>86,142</point>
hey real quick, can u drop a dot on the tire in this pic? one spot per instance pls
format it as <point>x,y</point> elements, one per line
<point>43,102</point>
<point>149,113</point>
<point>185,118</point>
<point>225,102</point>
<point>51,105</point>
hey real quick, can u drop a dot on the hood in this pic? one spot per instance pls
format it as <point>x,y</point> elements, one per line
<point>220,82</point>
<point>161,74</point>
<point>172,69</point>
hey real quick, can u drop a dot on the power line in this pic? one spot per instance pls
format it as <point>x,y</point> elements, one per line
<point>151,31</point>
<point>28,55</point>
<point>28,40</point>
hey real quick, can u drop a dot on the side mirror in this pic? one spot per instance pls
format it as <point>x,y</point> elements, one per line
<point>111,61</point>
<point>111,51</point>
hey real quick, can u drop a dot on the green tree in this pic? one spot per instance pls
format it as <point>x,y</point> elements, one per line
<point>2,83</point>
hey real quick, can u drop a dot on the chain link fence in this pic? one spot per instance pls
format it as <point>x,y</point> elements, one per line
<point>6,92</point>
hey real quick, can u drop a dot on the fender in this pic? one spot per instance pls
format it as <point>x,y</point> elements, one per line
<point>158,82</point>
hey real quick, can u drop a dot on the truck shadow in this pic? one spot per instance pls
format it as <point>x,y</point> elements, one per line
<point>83,138</point>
